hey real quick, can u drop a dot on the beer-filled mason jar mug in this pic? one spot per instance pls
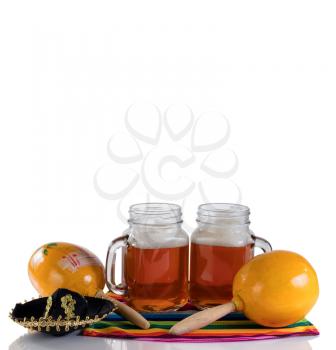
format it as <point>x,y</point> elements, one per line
<point>155,253</point>
<point>221,244</point>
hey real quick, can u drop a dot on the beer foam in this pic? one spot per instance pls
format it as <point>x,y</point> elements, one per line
<point>222,236</point>
<point>155,237</point>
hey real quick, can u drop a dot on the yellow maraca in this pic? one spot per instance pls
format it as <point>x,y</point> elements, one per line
<point>273,289</point>
<point>65,265</point>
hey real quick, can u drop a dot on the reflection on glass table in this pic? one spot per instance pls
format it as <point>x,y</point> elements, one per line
<point>73,342</point>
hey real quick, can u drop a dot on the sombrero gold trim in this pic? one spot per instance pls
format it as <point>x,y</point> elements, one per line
<point>47,323</point>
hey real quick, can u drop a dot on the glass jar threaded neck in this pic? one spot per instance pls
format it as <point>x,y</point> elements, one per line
<point>155,214</point>
<point>223,214</point>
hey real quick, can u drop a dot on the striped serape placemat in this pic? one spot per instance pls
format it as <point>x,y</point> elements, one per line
<point>233,327</point>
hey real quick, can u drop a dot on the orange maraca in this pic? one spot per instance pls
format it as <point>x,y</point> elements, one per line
<point>273,289</point>
<point>65,265</point>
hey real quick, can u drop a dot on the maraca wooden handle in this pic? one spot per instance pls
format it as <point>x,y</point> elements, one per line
<point>132,315</point>
<point>202,319</point>
<point>127,312</point>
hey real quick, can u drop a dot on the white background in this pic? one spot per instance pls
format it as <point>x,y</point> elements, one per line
<point>70,69</point>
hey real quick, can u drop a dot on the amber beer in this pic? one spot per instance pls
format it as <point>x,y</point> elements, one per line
<point>157,279</point>
<point>212,270</point>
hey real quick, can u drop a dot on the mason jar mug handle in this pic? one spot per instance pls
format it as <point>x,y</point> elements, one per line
<point>261,243</point>
<point>110,266</point>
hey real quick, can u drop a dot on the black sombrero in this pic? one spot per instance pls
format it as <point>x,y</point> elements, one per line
<point>61,313</point>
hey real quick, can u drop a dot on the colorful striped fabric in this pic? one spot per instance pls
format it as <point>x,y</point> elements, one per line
<point>234,327</point>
